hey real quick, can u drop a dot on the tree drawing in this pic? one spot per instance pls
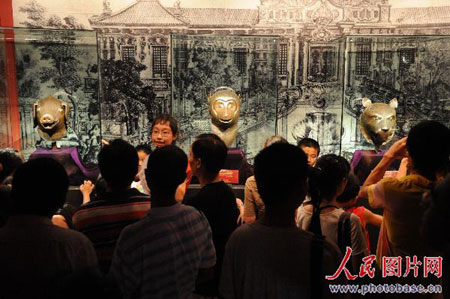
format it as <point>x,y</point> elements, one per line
<point>58,48</point>
<point>35,14</point>
<point>207,71</point>
<point>434,68</point>
<point>37,18</point>
<point>121,83</point>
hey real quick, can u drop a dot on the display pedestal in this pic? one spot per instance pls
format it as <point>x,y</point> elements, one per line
<point>236,161</point>
<point>69,157</point>
<point>236,169</point>
<point>364,161</point>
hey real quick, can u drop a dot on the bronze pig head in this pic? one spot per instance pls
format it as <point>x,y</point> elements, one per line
<point>50,116</point>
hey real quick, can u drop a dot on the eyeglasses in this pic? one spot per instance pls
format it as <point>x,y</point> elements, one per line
<point>163,133</point>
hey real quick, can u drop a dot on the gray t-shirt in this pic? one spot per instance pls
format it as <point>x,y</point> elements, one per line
<point>273,262</point>
<point>329,224</point>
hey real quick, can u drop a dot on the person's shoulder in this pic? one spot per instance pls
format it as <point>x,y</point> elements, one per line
<point>71,236</point>
<point>251,181</point>
<point>243,232</point>
<point>354,218</point>
<point>331,253</point>
<point>226,189</point>
<point>136,196</point>
<point>92,205</point>
<point>397,183</point>
<point>258,229</point>
<point>134,228</point>
<point>188,210</point>
<point>193,200</point>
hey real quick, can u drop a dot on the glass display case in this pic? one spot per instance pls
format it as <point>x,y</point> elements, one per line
<point>62,64</point>
<point>413,69</point>
<point>247,64</point>
<point>116,83</point>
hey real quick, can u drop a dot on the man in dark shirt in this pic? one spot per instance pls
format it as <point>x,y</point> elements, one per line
<point>215,199</point>
<point>35,256</point>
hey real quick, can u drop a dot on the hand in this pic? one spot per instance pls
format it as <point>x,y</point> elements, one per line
<point>397,150</point>
<point>105,142</point>
<point>60,221</point>
<point>405,163</point>
<point>240,206</point>
<point>86,188</point>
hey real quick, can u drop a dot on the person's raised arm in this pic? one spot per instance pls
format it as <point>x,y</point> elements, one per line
<point>396,151</point>
<point>86,189</point>
<point>372,218</point>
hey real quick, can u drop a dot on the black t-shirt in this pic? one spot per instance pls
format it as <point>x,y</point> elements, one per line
<point>218,202</point>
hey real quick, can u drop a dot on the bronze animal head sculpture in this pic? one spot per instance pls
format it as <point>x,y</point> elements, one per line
<point>224,108</point>
<point>50,116</point>
<point>378,122</point>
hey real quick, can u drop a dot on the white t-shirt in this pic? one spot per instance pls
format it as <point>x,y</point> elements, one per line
<point>329,224</point>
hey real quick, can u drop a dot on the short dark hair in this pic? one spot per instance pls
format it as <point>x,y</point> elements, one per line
<point>324,181</point>
<point>118,163</point>
<point>351,190</point>
<point>10,161</point>
<point>279,169</point>
<point>326,177</point>
<point>274,139</point>
<point>428,146</point>
<point>166,169</point>
<point>164,118</point>
<point>309,142</point>
<point>212,151</point>
<point>39,187</point>
<point>146,148</point>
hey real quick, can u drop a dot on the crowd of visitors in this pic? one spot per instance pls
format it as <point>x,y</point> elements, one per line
<point>137,234</point>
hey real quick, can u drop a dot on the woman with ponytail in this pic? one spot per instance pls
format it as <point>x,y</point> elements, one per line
<point>321,215</point>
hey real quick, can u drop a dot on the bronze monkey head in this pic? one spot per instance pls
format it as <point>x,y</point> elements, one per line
<point>224,107</point>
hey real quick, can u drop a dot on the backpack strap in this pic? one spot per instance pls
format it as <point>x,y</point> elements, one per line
<point>345,233</point>
<point>316,263</point>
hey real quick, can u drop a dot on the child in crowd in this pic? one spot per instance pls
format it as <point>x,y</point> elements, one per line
<point>311,149</point>
<point>321,214</point>
<point>347,201</point>
<point>253,204</point>
<point>143,151</point>
<point>165,132</point>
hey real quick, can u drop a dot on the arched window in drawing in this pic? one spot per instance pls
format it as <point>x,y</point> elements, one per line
<point>363,56</point>
<point>282,69</point>
<point>159,61</point>
<point>112,49</point>
<point>240,59</point>
<point>407,58</point>
<point>322,64</point>
<point>128,53</point>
